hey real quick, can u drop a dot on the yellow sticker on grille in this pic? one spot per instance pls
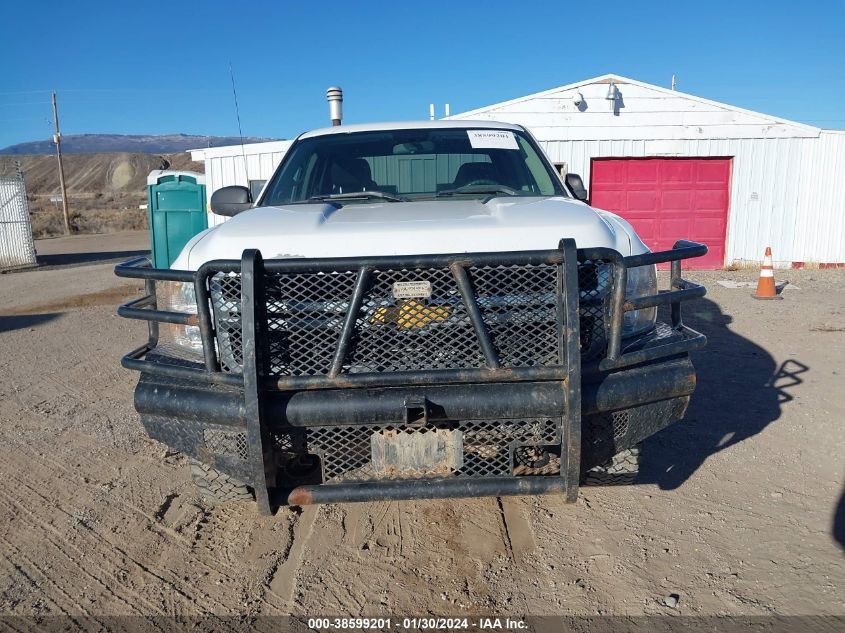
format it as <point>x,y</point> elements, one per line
<point>410,314</point>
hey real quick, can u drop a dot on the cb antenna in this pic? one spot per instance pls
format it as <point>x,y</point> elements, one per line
<point>238,116</point>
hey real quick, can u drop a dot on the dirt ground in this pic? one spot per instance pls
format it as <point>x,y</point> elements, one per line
<point>739,508</point>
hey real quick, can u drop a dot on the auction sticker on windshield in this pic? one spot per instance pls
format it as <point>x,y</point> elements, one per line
<point>492,139</point>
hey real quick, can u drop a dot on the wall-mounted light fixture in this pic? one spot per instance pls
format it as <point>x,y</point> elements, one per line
<point>612,94</point>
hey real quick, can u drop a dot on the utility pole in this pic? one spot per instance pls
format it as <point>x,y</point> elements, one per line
<point>57,139</point>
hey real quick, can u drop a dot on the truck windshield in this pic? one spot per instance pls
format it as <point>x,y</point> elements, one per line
<point>415,164</point>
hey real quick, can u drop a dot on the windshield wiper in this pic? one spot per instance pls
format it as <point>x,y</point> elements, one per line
<point>358,195</point>
<point>479,190</point>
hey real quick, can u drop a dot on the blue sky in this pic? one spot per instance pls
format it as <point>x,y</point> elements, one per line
<point>150,68</point>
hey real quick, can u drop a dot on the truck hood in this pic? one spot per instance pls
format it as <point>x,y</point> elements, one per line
<point>406,228</point>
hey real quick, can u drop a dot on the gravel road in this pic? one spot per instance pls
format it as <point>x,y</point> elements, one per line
<point>739,508</point>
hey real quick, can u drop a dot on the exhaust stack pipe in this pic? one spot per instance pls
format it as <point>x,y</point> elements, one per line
<point>334,95</point>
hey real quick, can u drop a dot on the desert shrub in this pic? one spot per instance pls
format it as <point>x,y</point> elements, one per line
<point>49,223</point>
<point>46,224</point>
<point>109,221</point>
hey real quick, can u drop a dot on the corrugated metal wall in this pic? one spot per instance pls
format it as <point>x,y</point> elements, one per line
<point>16,246</point>
<point>222,171</point>
<point>820,223</point>
<point>238,165</point>
<point>787,193</point>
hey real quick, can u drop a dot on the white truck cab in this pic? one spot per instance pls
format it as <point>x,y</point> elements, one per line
<point>406,188</point>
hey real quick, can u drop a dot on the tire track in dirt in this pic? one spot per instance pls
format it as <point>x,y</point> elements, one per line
<point>216,570</point>
<point>60,582</point>
<point>383,524</point>
<point>378,514</point>
<point>503,527</point>
<point>519,533</point>
<point>283,583</point>
<point>350,523</point>
<point>519,539</point>
<point>407,541</point>
<point>92,490</point>
<point>373,539</point>
<point>211,565</point>
<point>17,567</point>
<point>96,538</point>
<point>50,535</point>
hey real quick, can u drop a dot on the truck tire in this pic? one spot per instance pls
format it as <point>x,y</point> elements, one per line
<point>620,470</point>
<point>216,487</point>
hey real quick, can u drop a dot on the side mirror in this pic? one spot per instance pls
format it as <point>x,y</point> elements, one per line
<point>230,201</point>
<point>576,185</point>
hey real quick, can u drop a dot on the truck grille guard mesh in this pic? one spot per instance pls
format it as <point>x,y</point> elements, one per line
<point>298,324</point>
<point>306,312</point>
<point>490,317</point>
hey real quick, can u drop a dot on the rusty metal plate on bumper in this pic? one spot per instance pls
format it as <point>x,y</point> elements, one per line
<point>418,452</point>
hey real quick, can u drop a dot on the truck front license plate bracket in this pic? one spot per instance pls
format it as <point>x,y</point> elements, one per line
<point>408,452</point>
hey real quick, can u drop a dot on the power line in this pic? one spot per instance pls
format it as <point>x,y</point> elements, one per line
<point>22,92</point>
<point>23,118</point>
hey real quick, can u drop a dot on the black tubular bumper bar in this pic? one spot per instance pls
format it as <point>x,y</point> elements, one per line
<point>424,489</point>
<point>680,290</point>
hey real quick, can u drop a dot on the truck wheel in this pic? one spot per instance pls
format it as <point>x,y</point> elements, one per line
<point>620,470</point>
<point>216,487</point>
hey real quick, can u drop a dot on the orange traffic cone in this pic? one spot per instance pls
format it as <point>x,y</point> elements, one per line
<point>766,284</point>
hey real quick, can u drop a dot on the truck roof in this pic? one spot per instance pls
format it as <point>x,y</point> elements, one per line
<point>410,125</point>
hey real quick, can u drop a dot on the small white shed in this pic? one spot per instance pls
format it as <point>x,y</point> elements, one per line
<point>248,165</point>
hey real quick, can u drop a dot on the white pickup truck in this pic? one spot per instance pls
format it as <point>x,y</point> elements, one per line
<point>411,310</point>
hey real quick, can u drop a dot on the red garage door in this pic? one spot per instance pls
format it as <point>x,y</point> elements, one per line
<point>667,199</point>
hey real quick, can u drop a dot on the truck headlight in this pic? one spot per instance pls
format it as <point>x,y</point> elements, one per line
<point>642,281</point>
<point>177,296</point>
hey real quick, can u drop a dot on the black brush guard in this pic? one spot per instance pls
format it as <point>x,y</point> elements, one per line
<point>261,390</point>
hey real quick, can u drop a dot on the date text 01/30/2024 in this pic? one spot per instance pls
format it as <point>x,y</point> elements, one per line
<point>432,623</point>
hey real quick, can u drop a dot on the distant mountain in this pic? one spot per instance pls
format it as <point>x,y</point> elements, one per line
<point>133,143</point>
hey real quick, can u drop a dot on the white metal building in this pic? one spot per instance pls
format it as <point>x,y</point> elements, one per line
<point>675,165</point>
<point>248,165</point>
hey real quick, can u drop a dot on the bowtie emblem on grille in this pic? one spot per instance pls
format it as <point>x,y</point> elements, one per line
<point>410,310</point>
<point>409,314</point>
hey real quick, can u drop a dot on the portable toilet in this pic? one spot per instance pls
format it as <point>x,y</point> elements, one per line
<point>176,204</point>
